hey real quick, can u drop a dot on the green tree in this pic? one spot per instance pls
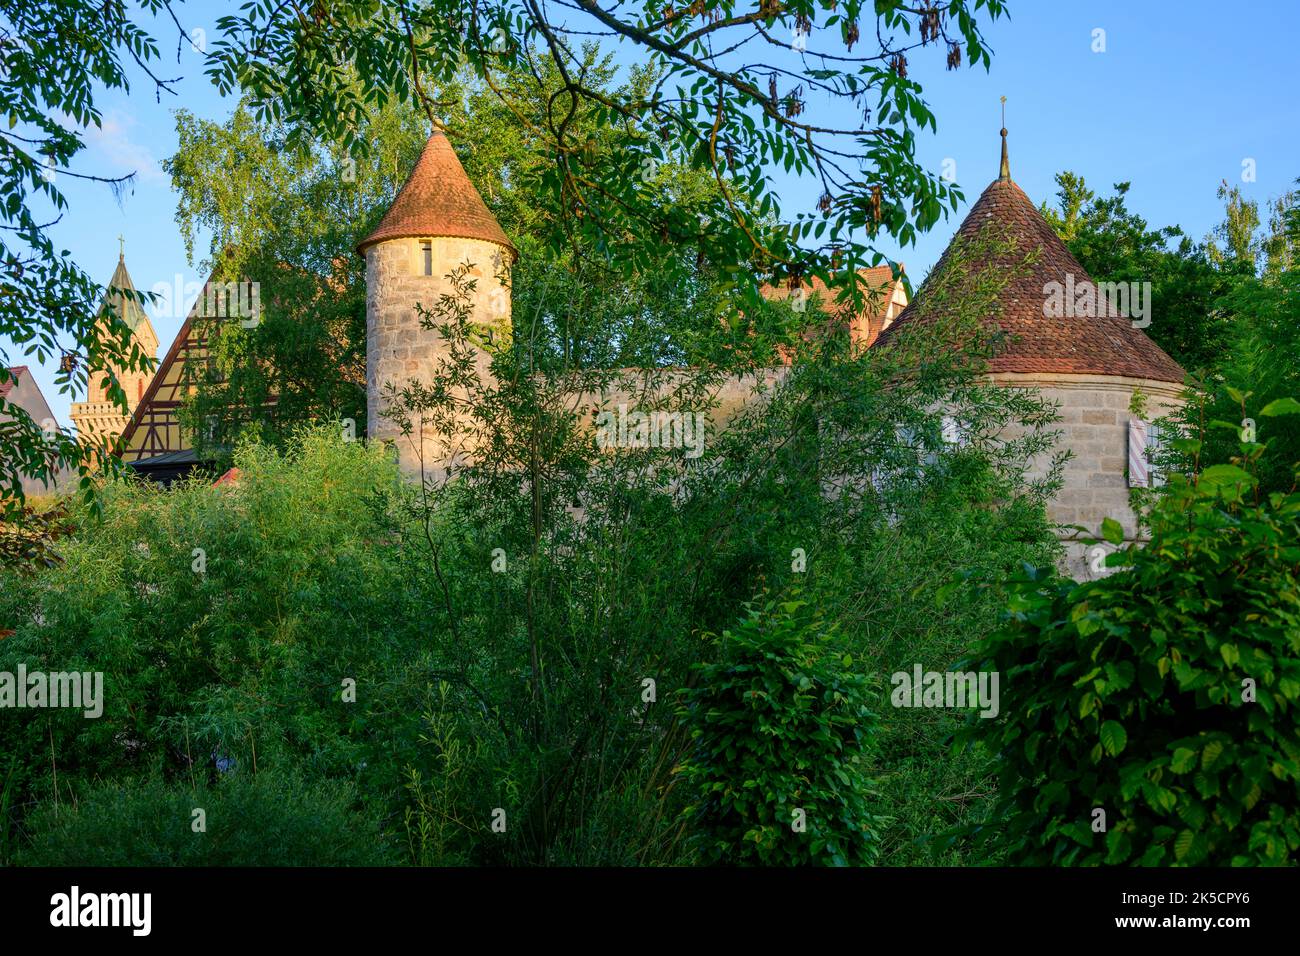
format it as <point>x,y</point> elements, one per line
<point>780,730</point>
<point>1256,367</point>
<point>1259,371</point>
<point>55,58</point>
<point>1114,244</point>
<point>1235,239</point>
<point>1282,244</point>
<point>732,120</point>
<point>1152,717</point>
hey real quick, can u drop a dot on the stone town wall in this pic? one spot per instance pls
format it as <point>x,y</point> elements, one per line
<point>1094,409</point>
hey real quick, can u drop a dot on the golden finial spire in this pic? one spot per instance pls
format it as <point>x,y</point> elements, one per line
<point>121,246</point>
<point>1005,172</point>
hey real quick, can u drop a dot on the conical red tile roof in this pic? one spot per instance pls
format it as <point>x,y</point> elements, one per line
<point>1102,345</point>
<point>438,200</point>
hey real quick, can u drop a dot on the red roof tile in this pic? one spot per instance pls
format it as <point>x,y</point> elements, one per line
<point>438,200</point>
<point>879,290</point>
<point>1102,345</point>
<point>6,386</point>
<point>874,278</point>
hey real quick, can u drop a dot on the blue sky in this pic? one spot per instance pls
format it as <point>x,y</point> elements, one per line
<point>1174,104</point>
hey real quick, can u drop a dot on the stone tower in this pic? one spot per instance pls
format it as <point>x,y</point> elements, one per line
<point>1088,359</point>
<point>98,417</point>
<point>437,223</point>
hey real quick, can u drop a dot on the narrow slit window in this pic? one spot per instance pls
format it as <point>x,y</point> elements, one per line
<point>426,257</point>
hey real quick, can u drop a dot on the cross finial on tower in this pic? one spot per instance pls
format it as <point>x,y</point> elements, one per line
<point>1005,172</point>
<point>121,247</point>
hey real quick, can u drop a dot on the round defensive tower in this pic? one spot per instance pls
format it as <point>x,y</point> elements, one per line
<point>437,223</point>
<point>1062,342</point>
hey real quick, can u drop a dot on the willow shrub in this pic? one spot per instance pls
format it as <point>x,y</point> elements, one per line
<point>1152,717</point>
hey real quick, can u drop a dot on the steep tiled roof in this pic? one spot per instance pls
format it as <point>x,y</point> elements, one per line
<point>6,386</point>
<point>1102,345</point>
<point>878,283</point>
<point>873,278</point>
<point>127,307</point>
<point>438,200</point>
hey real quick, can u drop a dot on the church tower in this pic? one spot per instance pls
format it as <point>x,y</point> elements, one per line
<point>98,417</point>
<point>437,223</point>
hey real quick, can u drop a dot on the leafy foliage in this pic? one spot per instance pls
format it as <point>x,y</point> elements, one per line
<point>1166,695</point>
<point>731,119</point>
<point>697,533</point>
<point>55,57</point>
<point>29,542</point>
<point>780,729</point>
<point>1114,244</point>
<point>1258,371</point>
<point>225,622</point>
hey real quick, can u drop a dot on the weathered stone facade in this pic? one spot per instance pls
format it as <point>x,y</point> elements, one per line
<point>1094,419</point>
<point>399,349</point>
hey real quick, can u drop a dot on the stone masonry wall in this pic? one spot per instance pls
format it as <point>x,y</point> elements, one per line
<point>1094,412</point>
<point>399,350</point>
<point>1094,409</point>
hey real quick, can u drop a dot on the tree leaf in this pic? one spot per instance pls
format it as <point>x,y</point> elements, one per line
<point>1280,406</point>
<point>1113,737</point>
<point>1183,760</point>
<point>1112,531</point>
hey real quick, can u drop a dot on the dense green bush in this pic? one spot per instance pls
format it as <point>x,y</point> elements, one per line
<point>267,819</point>
<point>1166,695</point>
<point>780,728</point>
<point>226,621</point>
<point>926,589</point>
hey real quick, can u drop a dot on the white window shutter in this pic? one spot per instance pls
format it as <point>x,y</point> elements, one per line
<point>1144,443</point>
<point>1139,471</point>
